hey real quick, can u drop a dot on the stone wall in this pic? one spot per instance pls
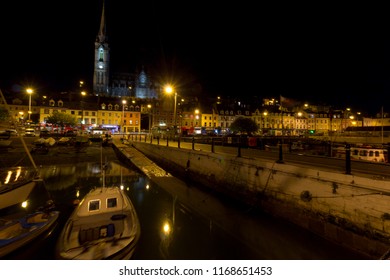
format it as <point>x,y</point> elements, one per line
<point>351,210</point>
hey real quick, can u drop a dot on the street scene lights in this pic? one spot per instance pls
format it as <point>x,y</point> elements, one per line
<point>169,90</point>
<point>123,116</point>
<point>29,92</point>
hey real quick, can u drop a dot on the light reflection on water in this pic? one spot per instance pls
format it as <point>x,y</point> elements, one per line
<point>189,236</point>
<point>169,229</point>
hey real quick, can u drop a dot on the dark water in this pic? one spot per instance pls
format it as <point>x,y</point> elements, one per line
<point>190,236</point>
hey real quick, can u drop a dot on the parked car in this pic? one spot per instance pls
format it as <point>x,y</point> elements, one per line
<point>12,132</point>
<point>44,133</point>
<point>29,132</point>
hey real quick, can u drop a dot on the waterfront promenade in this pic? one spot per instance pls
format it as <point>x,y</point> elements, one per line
<point>351,209</point>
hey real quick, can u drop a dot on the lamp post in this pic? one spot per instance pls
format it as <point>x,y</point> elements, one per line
<point>169,90</point>
<point>29,92</point>
<point>123,116</point>
<point>150,117</point>
<point>262,122</point>
<point>21,114</point>
<point>83,93</point>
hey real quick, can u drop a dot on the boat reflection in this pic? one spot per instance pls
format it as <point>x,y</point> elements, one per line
<point>173,228</point>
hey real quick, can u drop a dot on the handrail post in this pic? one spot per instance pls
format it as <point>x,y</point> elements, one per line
<point>239,147</point>
<point>280,160</point>
<point>347,159</point>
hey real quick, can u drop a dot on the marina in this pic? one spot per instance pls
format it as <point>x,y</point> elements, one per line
<point>170,228</point>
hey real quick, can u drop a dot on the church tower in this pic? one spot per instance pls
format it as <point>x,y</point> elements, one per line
<point>102,59</point>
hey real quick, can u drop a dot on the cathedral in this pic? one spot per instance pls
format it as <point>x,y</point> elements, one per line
<point>138,85</point>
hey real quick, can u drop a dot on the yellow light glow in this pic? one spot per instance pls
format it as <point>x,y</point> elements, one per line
<point>25,204</point>
<point>18,172</point>
<point>168,89</point>
<point>166,228</point>
<point>7,179</point>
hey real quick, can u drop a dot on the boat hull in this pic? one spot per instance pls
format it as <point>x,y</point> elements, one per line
<point>17,233</point>
<point>16,185</point>
<point>100,234</point>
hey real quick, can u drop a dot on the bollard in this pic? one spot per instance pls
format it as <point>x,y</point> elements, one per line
<point>193,142</point>
<point>212,145</point>
<point>329,149</point>
<point>178,142</point>
<point>280,160</point>
<point>151,139</point>
<point>158,140</point>
<point>347,159</point>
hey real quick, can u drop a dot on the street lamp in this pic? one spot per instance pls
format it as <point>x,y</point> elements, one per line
<point>83,93</point>
<point>150,117</point>
<point>262,122</point>
<point>21,114</point>
<point>169,90</point>
<point>29,92</point>
<point>123,116</point>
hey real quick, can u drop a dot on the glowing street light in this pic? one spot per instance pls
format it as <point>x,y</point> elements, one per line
<point>21,114</point>
<point>83,93</point>
<point>123,115</point>
<point>169,90</point>
<point>150,117</point>
<point>29,92</point>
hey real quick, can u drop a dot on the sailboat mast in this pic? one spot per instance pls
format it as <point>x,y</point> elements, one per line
<point>103,167</point>
<point>20,136</point>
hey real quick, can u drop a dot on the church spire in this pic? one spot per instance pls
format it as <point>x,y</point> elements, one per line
<point>102,30</point>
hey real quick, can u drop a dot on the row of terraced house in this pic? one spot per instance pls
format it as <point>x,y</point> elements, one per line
<point>141,115</point>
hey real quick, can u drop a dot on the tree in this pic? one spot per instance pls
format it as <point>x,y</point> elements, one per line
<point>244,126</point>
<point>4,115</point>
<point>61,119</point>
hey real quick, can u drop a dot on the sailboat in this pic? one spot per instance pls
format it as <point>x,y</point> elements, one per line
<point>104,225</point>
<point>20,226</point>
<point>16,183</point>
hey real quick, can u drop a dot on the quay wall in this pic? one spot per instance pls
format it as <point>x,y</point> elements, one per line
<point>347,209</point>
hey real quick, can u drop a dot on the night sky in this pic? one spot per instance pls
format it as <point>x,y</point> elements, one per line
<point>337,55</point>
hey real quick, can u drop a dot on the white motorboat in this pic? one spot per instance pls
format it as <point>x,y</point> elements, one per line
<point>103,226</point>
